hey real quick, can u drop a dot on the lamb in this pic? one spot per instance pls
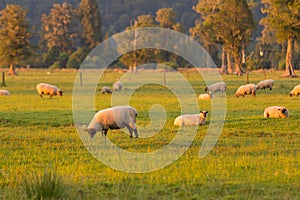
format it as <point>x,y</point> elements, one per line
<point>205,96</point>
<point>220,86</point>
<point>246,90</point>
<point>117,86</point>
<point>191,120</point>
<point>106,90</point>
<point>276,112</point>
<point>47,89</point>
<point>114,118</point>
<point>265,84</point>
<point>4,93</point>
<point>295,91</point>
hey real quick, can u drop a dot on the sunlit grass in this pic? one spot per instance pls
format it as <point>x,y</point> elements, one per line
<point>253,158</point>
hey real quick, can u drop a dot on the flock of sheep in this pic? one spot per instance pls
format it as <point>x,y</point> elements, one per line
<point>125,116</point>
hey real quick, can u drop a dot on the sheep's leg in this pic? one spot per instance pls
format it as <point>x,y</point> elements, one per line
<point>104,132</point>
<point>41,95</point>
<point>130,130</point>
<point>131,127</point>
<point>136,133</point>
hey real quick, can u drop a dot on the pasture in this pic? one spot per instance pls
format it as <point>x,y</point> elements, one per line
<point>254,158</point>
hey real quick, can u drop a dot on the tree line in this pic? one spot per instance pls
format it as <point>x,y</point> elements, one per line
<point>223,27</point>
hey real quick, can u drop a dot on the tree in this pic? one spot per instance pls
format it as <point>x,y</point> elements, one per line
<point>283,21</point>
<point>89,17</point>
<point>229,23</point>
<point>15,46</point>
<point>166,17</point>
<point>140,56</point>
<point>59,27</point>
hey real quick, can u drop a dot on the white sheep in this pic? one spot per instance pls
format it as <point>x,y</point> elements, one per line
<point>220,86</point>
<point>117,86</point>
<point>246,90</point>
<point>4,93</point>
<point>295,91</point>
<point>276,112</point>
<point>205,96</point>
<point>265,84</point>
<point>114,118</point>
<point>47,89</point>
<point>106,90</point>
<point>191,120</point>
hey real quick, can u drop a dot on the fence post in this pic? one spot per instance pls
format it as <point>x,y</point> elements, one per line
<point>81,84</point>
<point>3,79</point>
<point>165,81</point>
<point>247,78</point>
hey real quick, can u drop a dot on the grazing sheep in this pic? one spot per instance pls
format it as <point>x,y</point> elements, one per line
<point>276,112</point>
<point>246,90</point>
<point>205,96</point>
<point>114,118</point>
<point>117,86</point>
<point>220,86</point>
<point>191,120</point>
<point>265,84</point>
<point>295,91</point>
<point>47,89</point>
<point>106,90</point>
<point>4,93</point>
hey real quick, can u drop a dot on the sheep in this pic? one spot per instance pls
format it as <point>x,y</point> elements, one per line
<point>276,112</point>
<point>106,90</point>
<point>265,84</point>
<point>295,91</point>
<point>246,89</point>
<point>114,118</point>
<point>4,93</point>
<point>117,86</point>
<point>206,96</point>
<point>191,120</point>
<point>47,89</point>
<point>220,86</point>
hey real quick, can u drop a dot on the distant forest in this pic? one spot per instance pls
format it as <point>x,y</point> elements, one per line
<point>239,35</point>
<point>116,15</point>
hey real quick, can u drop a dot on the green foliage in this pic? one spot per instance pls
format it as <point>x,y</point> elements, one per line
<point>89,17</point>
<point>51,56</point>
<point>63,59</point>
<point>46,186</point>
<point>55,65</point>
<point>77,58</point>
<point>15,47</point>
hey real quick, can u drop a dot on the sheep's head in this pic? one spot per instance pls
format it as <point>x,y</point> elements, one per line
<point>60,93</point>
<point>91,132</point>
<point>205,89</point>
<point>284,111</point>
<point>203,114</point>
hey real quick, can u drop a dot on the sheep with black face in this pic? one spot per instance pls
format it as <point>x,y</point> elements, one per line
<point>114,118</point>
<point>276,112</point>
<point>191,120</point>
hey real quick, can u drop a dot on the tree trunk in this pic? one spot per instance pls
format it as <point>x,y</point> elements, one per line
<point>12,70</point>
<point>243,55</point>
<point>289,68</point>
<point>223,67</point>
<point>229,64</point>
<point>237,64</point>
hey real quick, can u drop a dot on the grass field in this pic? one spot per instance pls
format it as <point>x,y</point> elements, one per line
<point>254,158</point>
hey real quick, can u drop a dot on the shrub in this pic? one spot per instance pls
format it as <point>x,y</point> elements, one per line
<point>46,186</point>
<point>55,65</point>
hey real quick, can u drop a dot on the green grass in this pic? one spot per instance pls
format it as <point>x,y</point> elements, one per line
<point>254,158</point>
